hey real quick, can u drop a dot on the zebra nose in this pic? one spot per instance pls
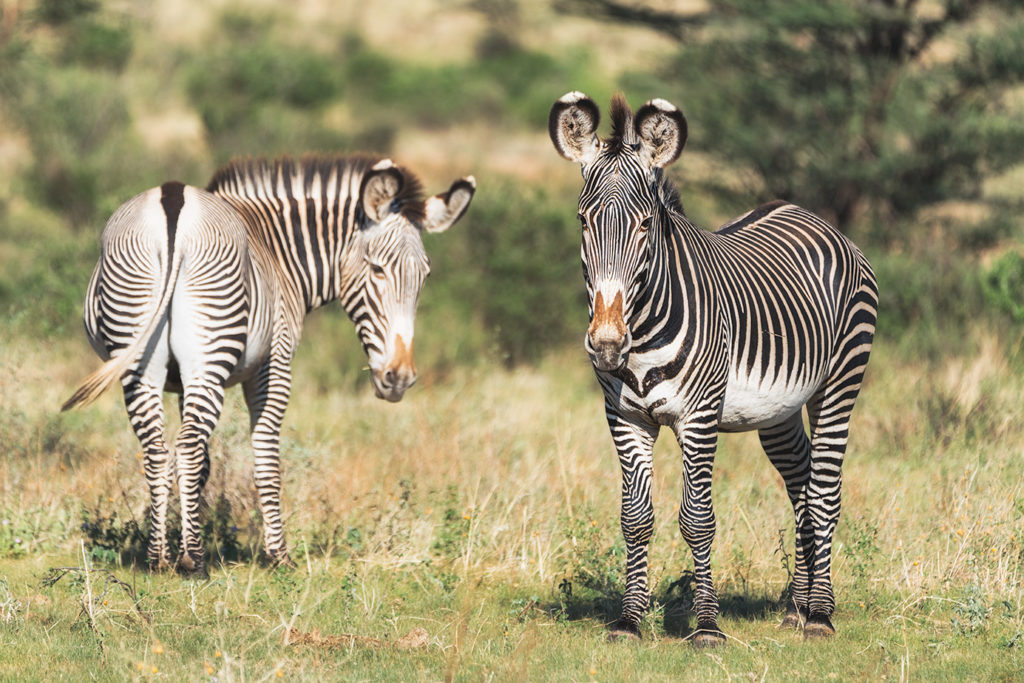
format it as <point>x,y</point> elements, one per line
<point>399,378</point>
<point>608,353</point>
<point>608,338</point>
<point>392,382</point>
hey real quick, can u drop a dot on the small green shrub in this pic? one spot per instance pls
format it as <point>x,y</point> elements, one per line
<point>861,545</point>
<point>101,44</point>
<point>116,541</point>
<point>1003,285</point>
<point>971,612</point>
<point>450,538</point>
<point>593,579</point>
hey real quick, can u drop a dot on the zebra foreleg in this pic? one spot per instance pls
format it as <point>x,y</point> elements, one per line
<point>789,450</point>
<point>698,438</point>
<point>201,409</point>
<point>144,402</point>
<point>634,444</point>
<point>266,395</point>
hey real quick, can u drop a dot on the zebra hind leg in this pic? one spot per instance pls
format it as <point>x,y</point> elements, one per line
<point>144,403</point>
<point>789,450</point>
<point>266,395</point>
<point>829,414</point>
<point>201,408</point>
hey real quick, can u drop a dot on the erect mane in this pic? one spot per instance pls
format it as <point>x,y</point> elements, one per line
<point>622,123</point>
<point>669,194</point>
<point>239,174</point>
<point>623,133</point>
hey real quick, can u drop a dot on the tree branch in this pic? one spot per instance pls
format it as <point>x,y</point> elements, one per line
<point>672,24</point>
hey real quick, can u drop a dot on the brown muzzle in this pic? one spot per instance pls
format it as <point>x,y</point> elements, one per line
<point>608,338</point>
<point>398,375</point>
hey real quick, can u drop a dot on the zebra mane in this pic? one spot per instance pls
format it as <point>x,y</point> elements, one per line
<point>239,174</point>
<point>624,134</point>
<point>622,123</point>
<point>668,193</point>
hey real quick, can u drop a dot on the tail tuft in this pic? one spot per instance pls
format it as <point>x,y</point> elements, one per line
<point>99,381</point>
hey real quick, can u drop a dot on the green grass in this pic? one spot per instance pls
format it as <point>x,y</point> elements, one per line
<point>233,627</point>
<point>483,509</point>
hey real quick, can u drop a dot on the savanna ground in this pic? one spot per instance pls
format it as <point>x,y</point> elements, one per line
<point>471,531</point>
<point>483,510</point>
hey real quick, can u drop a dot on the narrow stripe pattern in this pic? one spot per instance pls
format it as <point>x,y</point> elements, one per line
<point>198,290</point>
<point>708,332</point>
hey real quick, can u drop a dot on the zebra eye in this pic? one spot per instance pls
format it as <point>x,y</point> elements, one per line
<point>376,269</point>
<point>645,223</point>
<point>583,221</point>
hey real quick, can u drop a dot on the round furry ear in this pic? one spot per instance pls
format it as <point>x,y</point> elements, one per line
<point>571,125</point>
<point>379,187</point>
<point>443,210</point>
<point>661,128</point>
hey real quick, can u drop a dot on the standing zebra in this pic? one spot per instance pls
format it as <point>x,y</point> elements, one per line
<point>706,332</point>
<point>199,290</point>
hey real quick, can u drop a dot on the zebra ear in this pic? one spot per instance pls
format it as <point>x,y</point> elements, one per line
<point>381,185</point>
<point>661,128</point>
<point>443,210</point>
<point>571,125</point>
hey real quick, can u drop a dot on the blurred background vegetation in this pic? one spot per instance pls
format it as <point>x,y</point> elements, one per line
<point>900,120</point>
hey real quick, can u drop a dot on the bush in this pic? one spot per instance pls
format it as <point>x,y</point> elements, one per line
<point>86,156</point>
<point>516,270</point>
<point>1003,285</point>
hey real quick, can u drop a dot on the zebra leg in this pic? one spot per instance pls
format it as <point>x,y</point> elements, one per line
<point>144,402</point>
<point>634,443</point>
<point>829,415</point>
<point>698,438</point>
<point>201,408</point>
<point>789,450</point>
<point>829,430</point>
<point>266,395</point>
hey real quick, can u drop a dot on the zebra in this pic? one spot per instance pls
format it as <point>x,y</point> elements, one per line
<point>198,290</point>
<point>708,332</point>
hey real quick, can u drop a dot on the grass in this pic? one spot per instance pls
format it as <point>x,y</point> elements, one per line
<point>483,510</point>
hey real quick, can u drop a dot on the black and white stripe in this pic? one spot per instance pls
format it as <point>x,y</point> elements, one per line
<point>703,332</point>
<point>197,290</point>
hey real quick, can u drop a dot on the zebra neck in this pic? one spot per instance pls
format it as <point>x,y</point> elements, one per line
<point>674,283</point>
<point>307,236</point>
<point>310,252</point>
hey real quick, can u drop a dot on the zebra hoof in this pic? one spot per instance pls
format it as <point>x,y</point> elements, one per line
<point>624,632</point>
<point>283,562</point>
<point>159,565</point>
<point>818,627</point>
<point>192,568</point>
<point>708,636</point>
<point>795,617</point>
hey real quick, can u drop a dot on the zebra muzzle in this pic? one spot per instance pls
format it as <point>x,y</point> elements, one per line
<point>391,382</point>
<point>608,339</point>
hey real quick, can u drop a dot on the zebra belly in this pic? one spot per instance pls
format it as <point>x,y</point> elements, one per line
<point>750,404</point>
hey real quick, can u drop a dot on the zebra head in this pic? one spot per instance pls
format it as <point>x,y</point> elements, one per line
<point>618,204</point>
<point>394,266</point>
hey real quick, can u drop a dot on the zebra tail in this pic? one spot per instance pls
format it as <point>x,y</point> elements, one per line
<point>100,380</point>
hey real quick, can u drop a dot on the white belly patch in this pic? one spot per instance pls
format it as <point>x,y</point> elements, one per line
<point>748,406</point>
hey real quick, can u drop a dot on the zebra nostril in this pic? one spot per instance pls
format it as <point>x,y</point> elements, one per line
<point>389,377</point>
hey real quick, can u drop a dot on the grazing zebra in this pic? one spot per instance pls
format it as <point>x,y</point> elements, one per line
<point>714,332</point>
<point>199,290</point>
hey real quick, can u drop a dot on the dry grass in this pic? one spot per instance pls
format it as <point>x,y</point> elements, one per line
<point>485,490</point>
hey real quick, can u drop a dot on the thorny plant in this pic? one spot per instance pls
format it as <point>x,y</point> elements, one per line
<point>784,560</point>
<point>86,575</point>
